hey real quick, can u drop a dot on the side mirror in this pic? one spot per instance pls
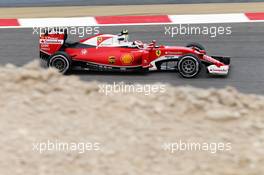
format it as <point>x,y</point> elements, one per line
<point>203,52</point>
<point>154,43</point>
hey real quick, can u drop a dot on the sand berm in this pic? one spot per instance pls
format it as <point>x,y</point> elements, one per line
<point>37,105</point>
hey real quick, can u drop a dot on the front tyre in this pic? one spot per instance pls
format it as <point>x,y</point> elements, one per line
<point>189,66</point>
<point>60,61</point>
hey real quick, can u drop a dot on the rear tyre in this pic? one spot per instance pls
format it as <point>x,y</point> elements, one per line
<point>189,66</point>
<point>196,46</point>
<point>60,61</point>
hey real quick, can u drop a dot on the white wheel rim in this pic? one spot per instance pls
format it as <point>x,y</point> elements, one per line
<point>188,66</point>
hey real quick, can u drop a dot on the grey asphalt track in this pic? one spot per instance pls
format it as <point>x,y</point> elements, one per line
<point>21,3</point>
<point>244,45</point>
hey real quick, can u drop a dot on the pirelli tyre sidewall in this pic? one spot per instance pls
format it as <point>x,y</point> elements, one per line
<point>189,66</point>
<point>60,61</point>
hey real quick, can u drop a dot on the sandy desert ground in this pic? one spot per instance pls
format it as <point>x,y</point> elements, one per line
<point>37,105</point>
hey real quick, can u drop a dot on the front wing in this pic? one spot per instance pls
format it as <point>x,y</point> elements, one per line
<point>220,65</point>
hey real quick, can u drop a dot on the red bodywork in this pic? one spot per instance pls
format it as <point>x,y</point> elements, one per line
<point>106,50</point>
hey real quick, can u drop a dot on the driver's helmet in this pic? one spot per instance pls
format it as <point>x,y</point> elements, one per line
<point>123,36</point>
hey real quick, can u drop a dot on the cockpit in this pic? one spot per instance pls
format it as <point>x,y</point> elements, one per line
<point>109,40</point>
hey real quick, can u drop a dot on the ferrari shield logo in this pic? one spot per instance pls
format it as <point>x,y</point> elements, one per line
<point>158,53</point>
<point>99,40</point>
<point>111,60</point>
<point>127,59</point>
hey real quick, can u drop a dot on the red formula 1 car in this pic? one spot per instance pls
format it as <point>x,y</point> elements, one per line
<point>105,52</point>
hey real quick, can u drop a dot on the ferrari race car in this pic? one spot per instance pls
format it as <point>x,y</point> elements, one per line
<point>107,52</point>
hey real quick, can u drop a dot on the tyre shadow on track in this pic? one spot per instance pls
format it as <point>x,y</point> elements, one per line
<point>202,75</point>
<point>114,73</point>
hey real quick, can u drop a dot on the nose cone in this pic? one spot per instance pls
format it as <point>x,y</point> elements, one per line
<point>179,50</point>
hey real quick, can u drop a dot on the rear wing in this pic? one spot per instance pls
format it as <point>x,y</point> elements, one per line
<point>51,41</point>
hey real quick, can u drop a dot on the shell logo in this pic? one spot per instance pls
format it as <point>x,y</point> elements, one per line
<point>127,58</point>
